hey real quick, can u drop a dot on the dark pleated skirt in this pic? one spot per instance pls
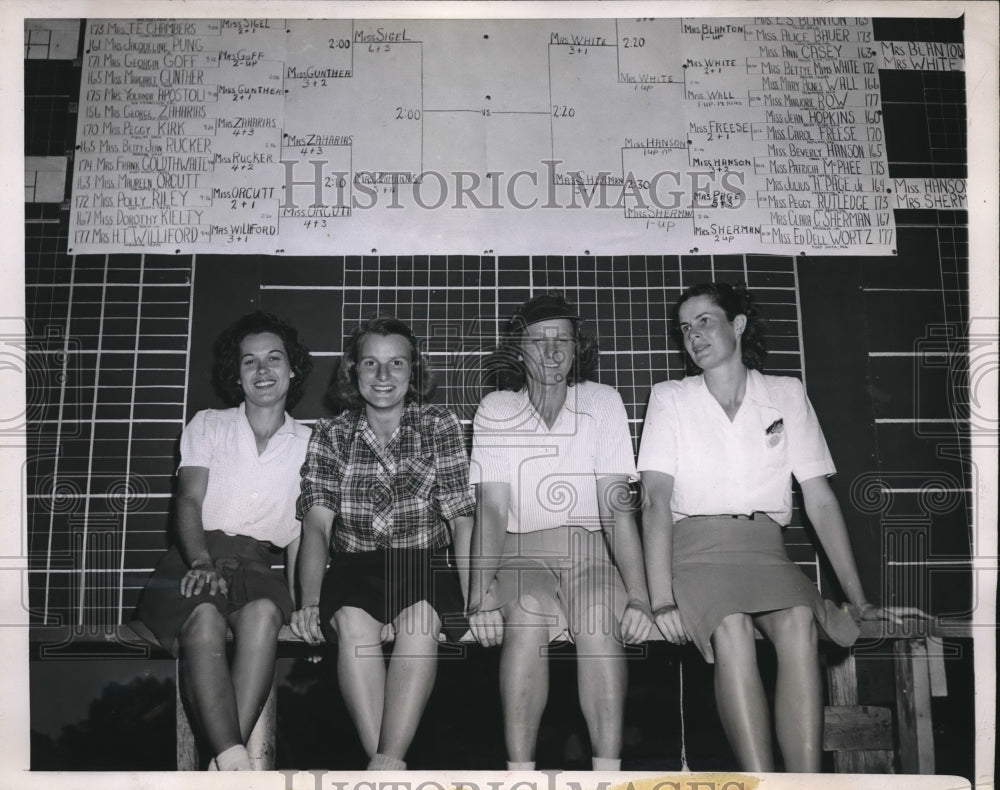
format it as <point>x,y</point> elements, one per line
<point>245,564</point>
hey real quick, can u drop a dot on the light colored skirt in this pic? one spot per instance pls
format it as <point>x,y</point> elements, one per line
<point>561,579</point>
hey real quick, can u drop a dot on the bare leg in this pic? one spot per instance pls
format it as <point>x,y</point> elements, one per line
<point>798,697</point>
<point>205,679</point>
<point>602,677</point>
<point>739,694</point>
<point>524,675</point>
<point>410,679</point>
<point>361,671</point>
<point>255,627</point>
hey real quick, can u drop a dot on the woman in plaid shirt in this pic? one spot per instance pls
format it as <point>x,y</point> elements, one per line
<point>385,491</point>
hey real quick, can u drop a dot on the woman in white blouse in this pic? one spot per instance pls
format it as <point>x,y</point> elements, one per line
<point>235,517</point>
<point>717,457</point>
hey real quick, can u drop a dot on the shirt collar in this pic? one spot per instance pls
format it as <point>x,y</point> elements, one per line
<point>569,406</point>
<point>757,391</point>
<point>409,424</point>
<point>287,426</point>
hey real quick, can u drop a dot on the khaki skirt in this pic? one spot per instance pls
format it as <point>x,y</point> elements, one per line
<point>563,579</point>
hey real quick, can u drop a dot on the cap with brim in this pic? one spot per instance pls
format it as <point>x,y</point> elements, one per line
<point>544,308</point>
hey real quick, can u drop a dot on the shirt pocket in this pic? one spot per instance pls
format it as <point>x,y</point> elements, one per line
<point>417,476</point>
<point>774,441</point>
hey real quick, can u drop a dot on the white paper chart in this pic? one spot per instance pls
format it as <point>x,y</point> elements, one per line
<point>597,136</point>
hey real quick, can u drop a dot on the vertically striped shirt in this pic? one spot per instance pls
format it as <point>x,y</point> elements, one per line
<point>552,472</point>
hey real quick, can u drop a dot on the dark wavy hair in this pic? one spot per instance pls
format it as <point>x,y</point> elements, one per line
<point>734,300</point>
<point>226,370</point>
<point>506,366</point>
<point>343,390</point>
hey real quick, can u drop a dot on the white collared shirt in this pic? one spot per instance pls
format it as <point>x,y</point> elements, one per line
<point>743,466</point>
<point>248,494</point>
<point>552,472</point>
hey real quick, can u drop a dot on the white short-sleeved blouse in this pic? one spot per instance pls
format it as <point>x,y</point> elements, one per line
<point>248,494</point>
<point>743,466</point>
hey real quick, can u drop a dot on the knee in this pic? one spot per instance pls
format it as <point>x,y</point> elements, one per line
<point>734,637</point>
<point>420,619</point>
<point>796,627</point>
<point>205,625</point>
<point>532,608</point>
<point>597,621</point>
<point>355,627</point>
<point>734,627</point>
<point>263,614</point>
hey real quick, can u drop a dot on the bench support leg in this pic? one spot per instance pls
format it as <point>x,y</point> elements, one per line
<point>262,740</point>
<point>913,706</point>
<point>843,680</point>
<point>261,745</point>
<point>187,748</point>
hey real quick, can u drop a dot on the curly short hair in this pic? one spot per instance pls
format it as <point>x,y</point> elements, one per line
<point>506,366</point>
<point>734,300</point>
<point>343,391</point>
<point>226,370</point>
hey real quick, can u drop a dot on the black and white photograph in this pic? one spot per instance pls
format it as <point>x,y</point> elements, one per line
<point>542,395</point>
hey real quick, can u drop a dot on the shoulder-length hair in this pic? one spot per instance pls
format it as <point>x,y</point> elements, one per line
<point>734,300</point>
<point>226,370</point>
<point>343,391</point>
<point>506,365</point>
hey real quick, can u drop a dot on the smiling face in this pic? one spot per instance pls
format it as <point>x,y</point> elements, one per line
<point>548,348</point>
<point>265,371</point>
<point>710,338</point>
<point>383,369</point>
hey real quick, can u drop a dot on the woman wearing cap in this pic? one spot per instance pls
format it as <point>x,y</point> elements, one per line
<point>718,453</point>
<point>235,506</point>
<point>385,488</point>
<point>551,462</point>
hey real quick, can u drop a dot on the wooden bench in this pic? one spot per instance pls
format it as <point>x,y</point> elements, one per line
<point>862,738</point>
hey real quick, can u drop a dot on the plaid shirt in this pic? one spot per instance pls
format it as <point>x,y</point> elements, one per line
<point>394,496</point>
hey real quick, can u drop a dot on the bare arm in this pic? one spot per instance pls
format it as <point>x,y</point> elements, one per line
<point>461,541</point>
<point>618,522</point>
<point>657,540</point>
<point>492,503</point>
<point>313,553</point>
<point>291,570</point>
<point>828,520</point>
<point>192,484</point>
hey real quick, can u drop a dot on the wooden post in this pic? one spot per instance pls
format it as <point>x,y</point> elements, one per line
<point>913,706</point>
<point>187,748</point>
<point>262,740</point>
<point>844,713</point>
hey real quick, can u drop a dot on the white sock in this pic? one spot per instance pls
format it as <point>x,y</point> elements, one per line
<point>526,766</point>
<point>235,758</point>
<point>386,762</point>
<point>606,763</point>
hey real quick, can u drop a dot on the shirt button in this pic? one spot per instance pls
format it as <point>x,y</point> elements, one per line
<point>253,495</point>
